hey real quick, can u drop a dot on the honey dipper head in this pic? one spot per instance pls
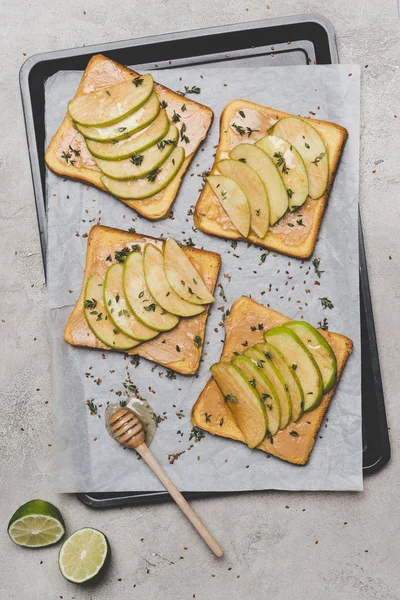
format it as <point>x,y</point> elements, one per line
<point>127,428</point>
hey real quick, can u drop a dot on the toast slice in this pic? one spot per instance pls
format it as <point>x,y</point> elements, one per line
<point>244,314</point>
<point>100,73</point>
<point>293,240</point>
<point>102,242</point>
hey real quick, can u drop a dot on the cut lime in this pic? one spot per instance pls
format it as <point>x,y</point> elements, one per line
<point>36,524</point>
<point>84,555</point>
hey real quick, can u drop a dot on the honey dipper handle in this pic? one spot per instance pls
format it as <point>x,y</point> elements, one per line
<point>180,500</point>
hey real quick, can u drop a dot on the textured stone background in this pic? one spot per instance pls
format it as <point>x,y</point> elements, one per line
<point>270,539</point>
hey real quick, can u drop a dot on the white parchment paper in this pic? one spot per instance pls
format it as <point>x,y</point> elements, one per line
<point>87,459</point>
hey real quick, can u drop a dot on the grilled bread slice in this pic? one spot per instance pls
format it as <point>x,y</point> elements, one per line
<point>100,73</point>
<point>291,447</point>
<point>286,236</point>
<point>105,241</point>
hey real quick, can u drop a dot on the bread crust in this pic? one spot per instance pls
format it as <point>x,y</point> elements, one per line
<point>102,72</point>
<point>103,241</point>
<point>334,136</point>
<point>244,313</point>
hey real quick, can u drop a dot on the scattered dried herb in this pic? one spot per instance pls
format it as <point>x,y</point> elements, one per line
<point>198,340</point>
<point>231,398</point>
<point>152,176</point>
<point>326,303</point>
<point>193,90</point>
<point>316,262</point>
<point>90,303</point>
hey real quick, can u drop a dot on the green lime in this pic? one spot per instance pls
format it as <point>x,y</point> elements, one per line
<point>84,555</point>
<point>36,524</point>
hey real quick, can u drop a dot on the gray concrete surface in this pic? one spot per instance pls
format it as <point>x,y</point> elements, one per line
<point>308,546</point>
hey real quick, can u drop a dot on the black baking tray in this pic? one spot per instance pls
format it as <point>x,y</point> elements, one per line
<point>297,40</point>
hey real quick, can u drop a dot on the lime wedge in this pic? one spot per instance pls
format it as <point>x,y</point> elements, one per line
<point>84,555</point>
<point>36,524</point>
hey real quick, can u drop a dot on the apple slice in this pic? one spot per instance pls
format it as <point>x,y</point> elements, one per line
<point>311,148</point>
<point>139,299</point>
<point>136,121</point>
<point>243,400</point>
<point>233,201</point>
<point>183,277</point>
<point>290,165</point>
<point>97,319</point>
<point>124,148</point>
<point>266,169</point>
<point>162,292</point>
<point>277,382</point>
<point>289,376</point>
<point>263,386</point>
<point>138,189</point>
<point>321,351</point>
<point>299,359</point>
<point>117,308</point>
<point>109,105</point>
<point>254,190</point>
<point>140,164</point>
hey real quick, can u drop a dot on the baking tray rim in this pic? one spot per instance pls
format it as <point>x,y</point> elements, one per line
<point>183,35</point>
<point>312,17</point>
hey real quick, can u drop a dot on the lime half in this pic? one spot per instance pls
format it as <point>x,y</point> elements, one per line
<point>84,555</point>
<point>36,524</point>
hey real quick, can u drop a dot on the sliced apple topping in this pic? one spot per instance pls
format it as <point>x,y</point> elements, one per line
<point>289,377</point>
<point>140,164</point>
<point>160,288</point>
<point>321,351</point>
<point>290,165</point>
<point>274,376</point>
<point>97,319</point>
<point>183,277</point>
<point>261,383</point>
<point>233,201</point>
<point>266,169</point>
<point>139,299</point>
<point>132,141</point>
<point>109,105</point>
<point>243,400</point>
<point>154,182</point>
<point>299,359</point>
<point>254,190</point>
<point>311,147</point>
<point>124,128</point>
<point>117,308</point>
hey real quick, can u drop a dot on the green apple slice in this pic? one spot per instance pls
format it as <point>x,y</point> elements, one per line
<point>162,292</point>
<point>183,277</point>
<point>290,165</point>
<point>264,387</point>
<point>311,148</point>
<point>118,309</point>
<point>97,318</point>
<point>134,122</point>
<point>243,400</point>
<point>143,139</point>
<point>320,350</point>
<point>138,189</point>
<point>289,376</point>
<point>233,201</point>
<point>140,164</point>
<point>107,106</point>
<point>254,190</point>
<point>299,359</point>
<point>139,299</point>
<point>266,169</point>
<point>277,382</point>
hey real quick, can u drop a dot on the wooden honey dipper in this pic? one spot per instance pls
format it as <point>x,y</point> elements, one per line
<point>128,430</point>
